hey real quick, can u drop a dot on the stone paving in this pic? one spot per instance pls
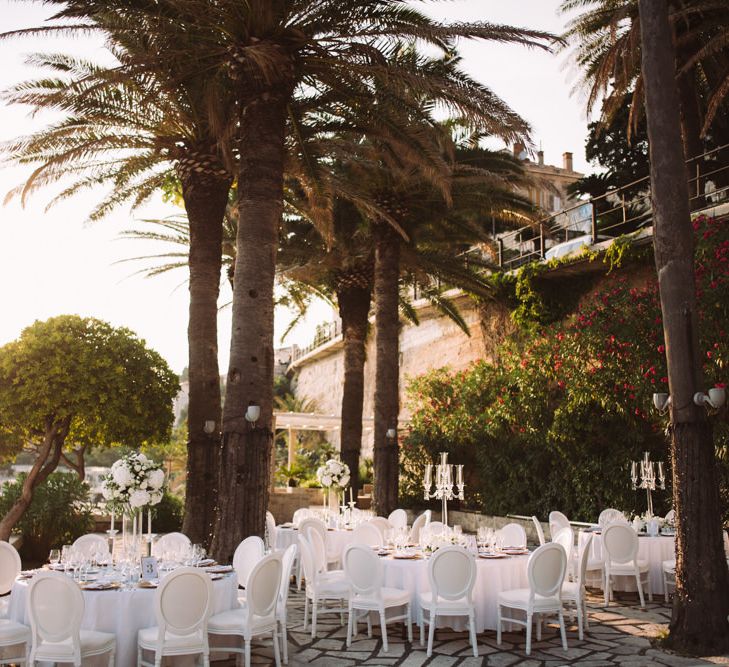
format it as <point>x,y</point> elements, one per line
<point>621,634</point>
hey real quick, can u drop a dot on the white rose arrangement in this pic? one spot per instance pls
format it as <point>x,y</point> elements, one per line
<point>133,482</point>
<point>333,474</point>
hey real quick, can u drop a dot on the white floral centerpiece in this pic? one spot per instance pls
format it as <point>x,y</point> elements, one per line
<point>333,476</point>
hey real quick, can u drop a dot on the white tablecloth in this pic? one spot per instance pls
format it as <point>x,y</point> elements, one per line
<point>653,549</point>
<point>492,577</point>
<point>336,539</point>
<point>122,612</point>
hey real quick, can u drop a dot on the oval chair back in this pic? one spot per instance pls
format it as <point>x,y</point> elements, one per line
<point>56,607</point>
<point>382,524</point>
<point>610,515</point>
<point>436,527</point>
<point>318,551</point>
<point>540,531</point>
<point>557,521</point>
<point>307,559</point>
<point>367,534</point>
<point>299,515</point>
<point>546,569</point>
<point>271,531</point>
<point>398,518</point>
<point>287,562</point>
<point>183,603</point>
<point>177,542</point>
<point>620,542</point>
<point>91,544</point>
<point>566,539</point>
<point>513,535</point>
<point>312,523</point>
<point>421,522</point>
<point>9,566</point>
<point>263,587</point>
<point>452,574</point>
<point>246,555</point>
<point>363,569</point>
<point>670,517</point>
<point>584,557</point>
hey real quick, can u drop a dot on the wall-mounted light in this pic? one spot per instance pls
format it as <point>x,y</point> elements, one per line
<point>253,413</point>
<point>209,426</point>
<point>662,402</point>
<point>715,398</point>
<point>391,433</point>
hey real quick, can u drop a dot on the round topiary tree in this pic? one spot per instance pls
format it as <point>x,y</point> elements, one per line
<point>71,383</point>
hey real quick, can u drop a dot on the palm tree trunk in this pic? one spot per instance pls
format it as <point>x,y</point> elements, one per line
<point>245,469</point>
<point>354,308</point>
<point>205,200</point>
<point>387,367</point>
<point>701,603</point>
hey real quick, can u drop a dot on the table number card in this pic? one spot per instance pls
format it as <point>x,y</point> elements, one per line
<point>149,568</point>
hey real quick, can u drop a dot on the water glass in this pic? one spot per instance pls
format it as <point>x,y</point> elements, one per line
<point>54,557</point>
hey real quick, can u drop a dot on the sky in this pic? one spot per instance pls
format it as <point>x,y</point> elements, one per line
<point>54,262</point>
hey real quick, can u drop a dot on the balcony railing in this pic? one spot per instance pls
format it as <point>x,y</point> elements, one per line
<point>325,332</point>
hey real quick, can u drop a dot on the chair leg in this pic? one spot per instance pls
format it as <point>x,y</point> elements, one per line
<point>299,576</point>
<point>285,640</point>
<point>247,653</point>
<point>585,617</point>
<point>139,656</point>
<point>529,633</point>
<point>410,623</point>
<point>431,631</point>
<point>350,621</point>
<point>383,628</point>
<point>112,655</point>
<point>206,658</point>
<point>648,585</point>
<point>306,610</point>
<point>472,628</point>
<point>562,630</point>
<point>369,625</point>
<point>579,609</point>
<point>498,625</point>
<point>538,623</point>
<point>314,608</point>
<point>421,623</point>
<point>276,652</point>
<point>607,588</point>
<point>640,589</point>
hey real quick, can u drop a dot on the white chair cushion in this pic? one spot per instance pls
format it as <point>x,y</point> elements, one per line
<point>4,606</point>
<point>628,568</point>
<point>13,633</point>
<point>148,640</point>
<point>669,566</point>
<point>570,590</point>
<point>338,588</point>
<point>92,643</point>
<point>232,622</point>
<point>391,597</point>
<point>594,565</point>
<point>518,598</point>
<point>426,602</point>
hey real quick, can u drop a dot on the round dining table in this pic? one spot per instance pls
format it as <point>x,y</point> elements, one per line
<point>493,575</point>
<point>654,549</point>
<point>123,612</point>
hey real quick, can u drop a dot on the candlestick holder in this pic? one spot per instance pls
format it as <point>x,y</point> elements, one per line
<point>149,539</point>
<point>443,485</point>
<point>111,533</point>
<point>648,479</point>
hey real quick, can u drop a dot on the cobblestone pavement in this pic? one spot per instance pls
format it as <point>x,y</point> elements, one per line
<point>618,635</point>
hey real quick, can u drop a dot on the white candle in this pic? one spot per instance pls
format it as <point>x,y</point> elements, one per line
<point>351,495</point>
<point>112,519</point>
<point>149,523</point>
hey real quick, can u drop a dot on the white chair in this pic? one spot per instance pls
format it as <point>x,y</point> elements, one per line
<point>182,606</point>
<point>668,570</point>
<point>421,522</point>
<point>91,544</point>
<point>367,534</point>
<point>320,587</point>
<point>610,515</point>
<point>56,607</point>
<point>271,532</point>
<point>246,557</point>
<point>620,543</point>
<point>14,634</point>
<point>540,531</point>
<point>574,591</point>
<point>299,515</point>
<point>365,574</point>
<point>382,524</point>
<point>398,519</point>
<point>175,542</point>
<point>10,566</point>
<point>318,551</point>
<point>566,539</point>
<point>258,617</point>
<point>670,517</point>
<point>452,575</point>
<point>435,527</point>
<point>545,571</point>
<point>557,521</point>
<point>513,535</point>
<point>318,525</point>
<point>287,562</point>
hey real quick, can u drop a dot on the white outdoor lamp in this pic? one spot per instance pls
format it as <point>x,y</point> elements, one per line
<point>209,426</point>
<point>715,399</point>
<point>662,402</point>
<point>253,413</point>
<point>391,433</point>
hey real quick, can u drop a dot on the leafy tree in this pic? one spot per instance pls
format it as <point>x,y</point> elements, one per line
<point>69,384</point>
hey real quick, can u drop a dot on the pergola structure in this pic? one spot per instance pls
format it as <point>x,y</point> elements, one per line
<point>313,421</point>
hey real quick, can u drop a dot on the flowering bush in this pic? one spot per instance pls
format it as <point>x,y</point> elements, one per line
<point>133,482</point>
<point>333,474</point>
<point>556,421</point>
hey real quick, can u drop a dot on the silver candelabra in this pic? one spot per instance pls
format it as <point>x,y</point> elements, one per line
<point>443,483</point>
<point>648,480</point>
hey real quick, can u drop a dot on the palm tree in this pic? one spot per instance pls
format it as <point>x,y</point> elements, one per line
<point>699,624</point>
<point>134,132</point>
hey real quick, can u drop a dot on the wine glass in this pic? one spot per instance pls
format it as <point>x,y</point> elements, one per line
<point>54,558</point>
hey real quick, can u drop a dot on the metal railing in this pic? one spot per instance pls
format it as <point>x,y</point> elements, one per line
<point>619,211</point>
<point>325,332</point>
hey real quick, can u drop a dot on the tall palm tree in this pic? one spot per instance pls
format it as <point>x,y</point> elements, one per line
<point>133,132</point>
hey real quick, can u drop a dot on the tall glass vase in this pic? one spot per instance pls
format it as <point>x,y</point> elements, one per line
<point>333,500</point>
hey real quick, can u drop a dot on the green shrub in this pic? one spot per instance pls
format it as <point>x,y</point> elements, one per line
<point>167,514</point>
<point>59,513</point>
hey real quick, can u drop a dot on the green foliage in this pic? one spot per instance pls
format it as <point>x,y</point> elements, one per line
<point>556,422</point>
<point>58,514</point>
<point>366,471</point>
<point>167,514</point>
